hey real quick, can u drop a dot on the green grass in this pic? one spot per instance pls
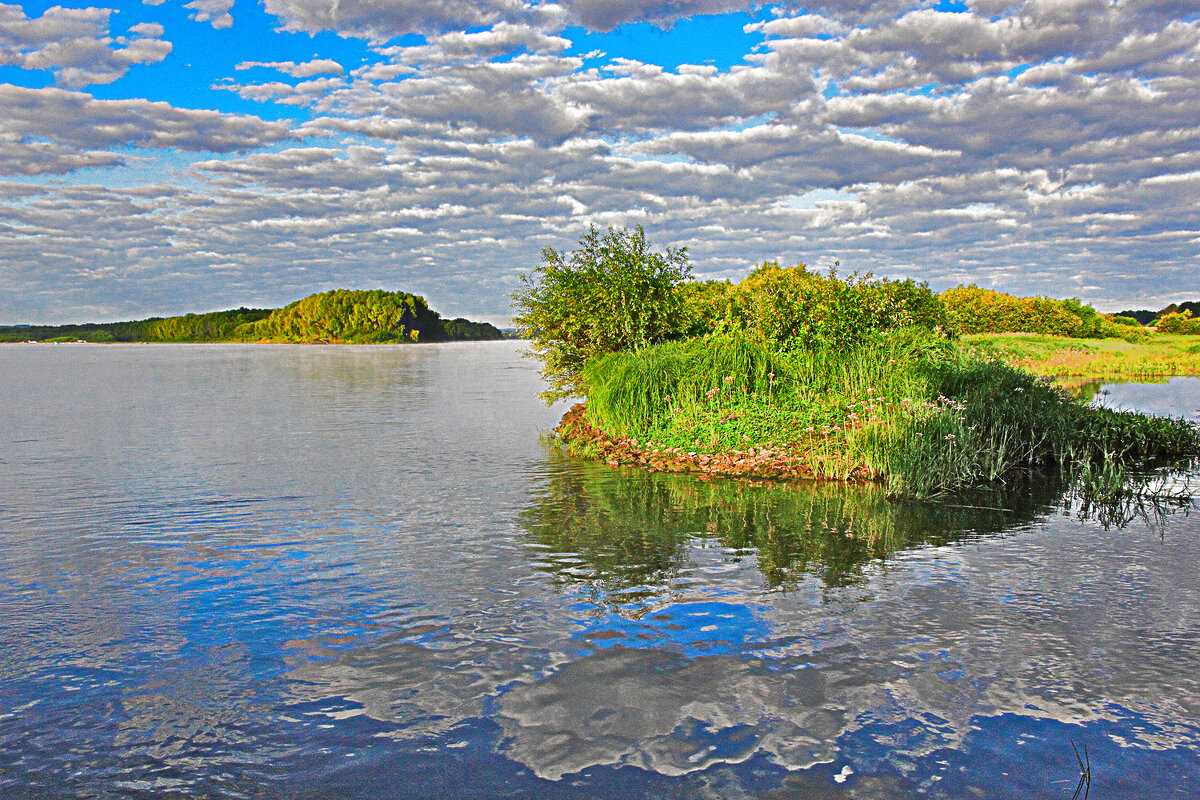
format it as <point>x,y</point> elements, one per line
<point>915,411</point>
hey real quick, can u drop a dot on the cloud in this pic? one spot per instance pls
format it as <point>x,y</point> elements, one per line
<point>54,130</point>
<point>384,20</point>
<point>606,15</point>
<point>214,12</point>
<point>74,44</point>
<point>305,69</point>
<point>1007,145</point>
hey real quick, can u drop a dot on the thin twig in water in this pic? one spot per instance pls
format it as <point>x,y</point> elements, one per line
<point>1085,772</point>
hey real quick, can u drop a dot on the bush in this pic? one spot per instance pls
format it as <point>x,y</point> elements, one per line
<point>1178,323</point>
<point>790,307</point>
<point>612,293</point>
<point>975,310</point>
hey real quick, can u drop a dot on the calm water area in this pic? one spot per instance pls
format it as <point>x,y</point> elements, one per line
<point>321,572</point>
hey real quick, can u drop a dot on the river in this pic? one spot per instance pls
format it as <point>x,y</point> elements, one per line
<point>287,571</point>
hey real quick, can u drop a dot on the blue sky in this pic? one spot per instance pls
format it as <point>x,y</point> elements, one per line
<point>189,156</point>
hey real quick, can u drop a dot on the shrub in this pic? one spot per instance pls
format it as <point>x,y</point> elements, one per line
<point>612,293</point>
<point>1178,323</point>
<point>976,310</point>
<point>786,308</point>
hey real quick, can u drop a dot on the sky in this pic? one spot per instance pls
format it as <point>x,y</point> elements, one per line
<point>163,156</point>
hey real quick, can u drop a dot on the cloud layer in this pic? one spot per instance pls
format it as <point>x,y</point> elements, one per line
<point>1049,146</point>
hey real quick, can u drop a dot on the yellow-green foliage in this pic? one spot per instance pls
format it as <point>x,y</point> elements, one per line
<point>1178,323</point>
<point>975,310</point>
<point>215,326</point>
<point>786,307</point>
<point>344,315</point>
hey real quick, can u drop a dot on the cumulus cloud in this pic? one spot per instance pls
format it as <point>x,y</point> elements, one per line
<point>1006,145</point>
<point>304,69</point>
<point>54,130</point>
<point>75,45</point>
<point>382,21</point>
<point>605,15</point>
<point>214,12</point>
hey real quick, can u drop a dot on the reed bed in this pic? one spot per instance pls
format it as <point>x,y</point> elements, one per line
<point>910,409</point>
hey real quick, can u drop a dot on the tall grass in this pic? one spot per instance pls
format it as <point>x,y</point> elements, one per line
<point>908,408</point>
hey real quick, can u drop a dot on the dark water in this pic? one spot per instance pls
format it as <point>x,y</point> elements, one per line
<point>240,571</point>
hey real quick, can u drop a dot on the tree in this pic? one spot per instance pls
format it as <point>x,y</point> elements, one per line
<point>611,293</point>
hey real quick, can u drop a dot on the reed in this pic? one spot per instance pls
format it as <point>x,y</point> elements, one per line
<point>909,408</point>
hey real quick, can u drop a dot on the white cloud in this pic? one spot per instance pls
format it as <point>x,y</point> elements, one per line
<point>1009,144</point>
<point>304,69</point>
<point>214,12</point>
<point>75,45</point>
<point>54,130</point>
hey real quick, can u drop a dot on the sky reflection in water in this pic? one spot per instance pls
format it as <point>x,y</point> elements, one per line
<point>356,572</point>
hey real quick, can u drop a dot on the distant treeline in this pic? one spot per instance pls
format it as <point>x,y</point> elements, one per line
<point>1148,317</point>
<point>338,316</point>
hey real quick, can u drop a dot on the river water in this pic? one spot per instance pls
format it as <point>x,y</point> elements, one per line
<point>288,571</point>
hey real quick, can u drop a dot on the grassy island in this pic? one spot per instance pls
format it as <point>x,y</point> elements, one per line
<point>793,374</point>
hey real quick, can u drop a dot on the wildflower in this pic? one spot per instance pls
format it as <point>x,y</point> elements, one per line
<point>919,435</point>
<point>729,379</point>
<point>771,375</point>
<point>1018,389</point>
<point>949,436</point>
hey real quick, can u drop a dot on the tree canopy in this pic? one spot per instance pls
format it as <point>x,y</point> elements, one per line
<point>613,292</point>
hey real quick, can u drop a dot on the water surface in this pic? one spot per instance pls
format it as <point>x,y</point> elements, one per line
<point>286,571</point>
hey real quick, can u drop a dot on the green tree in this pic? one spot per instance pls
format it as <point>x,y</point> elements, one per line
<point>611,293</point>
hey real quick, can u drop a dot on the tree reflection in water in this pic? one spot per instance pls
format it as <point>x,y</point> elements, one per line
<point>626,534</point>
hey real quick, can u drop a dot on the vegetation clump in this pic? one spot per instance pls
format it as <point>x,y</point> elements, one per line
<point>974,310</point>
<point>794,374</point>
<point>612,293</point>
<point>1178,323</point>
<point>345,316</point>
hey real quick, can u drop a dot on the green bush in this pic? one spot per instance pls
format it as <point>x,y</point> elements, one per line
<point>1178,323</point>
<point>612,293</point>
<point>790,307</point>
<point>976,310</point>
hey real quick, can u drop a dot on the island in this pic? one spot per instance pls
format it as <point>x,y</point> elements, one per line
<point>340,316</point>
<point>798,375</point>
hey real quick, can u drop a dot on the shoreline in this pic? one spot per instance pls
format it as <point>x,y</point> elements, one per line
<point>584,440</point>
